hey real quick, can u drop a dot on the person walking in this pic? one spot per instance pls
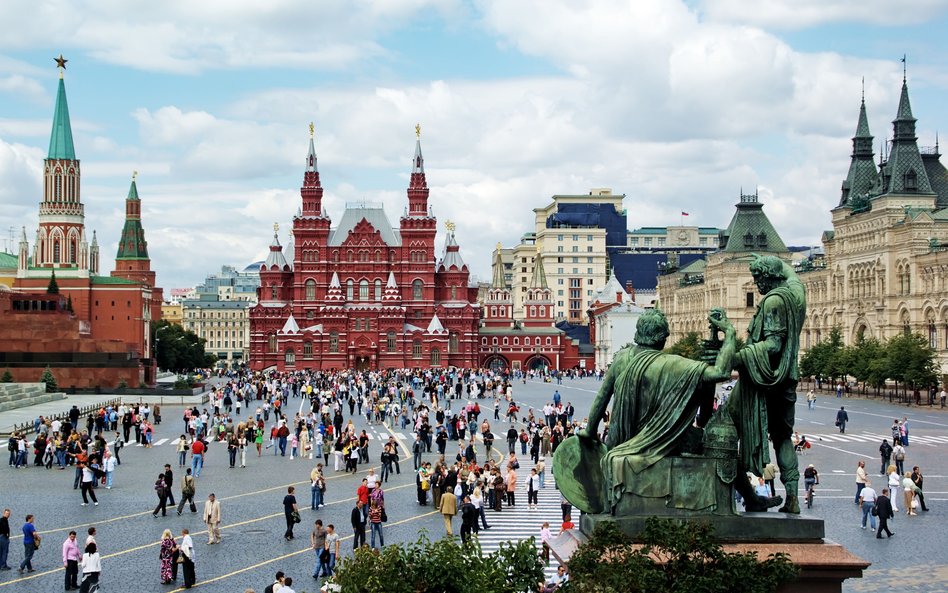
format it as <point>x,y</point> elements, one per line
<point>810,400</point>
<point>161,492</point>
<point>375,520</point>
<point>4,539</point>
<point>317,486</point>
<point>895,480</point>
<point>885,512</point>
<point>511,487</point>
<point>212,518</point>
<point>885,450</point>
<point>291,512</point>
<point>182,451</point>
<point>533,489</point>
<point>166,556</point>
<point>468,514</point>
<point>862,478</point>
<point>91,568</point>
<point>197,457</point>
<point>448,508</point>
<point>332,546</point>
<point>358,526</point>
<point>867,502</point>
<point>187,492</point>
<point>87,484</point>
<point>917,478</point>
<point>478,501</point>
<point>31,540</point>
<point>317,541</point>
<point>71,558</point>
<point>186,551</point>
<point>898,454</point>
<point>169,481</point>
<point>841,419</point>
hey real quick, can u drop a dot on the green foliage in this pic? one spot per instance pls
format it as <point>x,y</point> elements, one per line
<point>825,360</point>
<point>177,349</point>
<point>674,557</point>
<point>69,304</point>
<point>122,384</point>
<point>49,379</point>
<point>442,565</point>
<point>910,359</point>
<point>690,346</point>
<point>52,287</point>
<point>7,377</point>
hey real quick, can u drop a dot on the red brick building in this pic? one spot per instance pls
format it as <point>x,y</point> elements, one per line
<point>531,343</point>
<point>363,293</point>
<point>118,307</point>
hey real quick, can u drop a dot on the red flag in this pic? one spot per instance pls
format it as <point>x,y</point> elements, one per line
<point>684,214</point>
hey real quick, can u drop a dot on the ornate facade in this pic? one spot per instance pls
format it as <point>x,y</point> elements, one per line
<point>884,268</point>
<point>364,294</point>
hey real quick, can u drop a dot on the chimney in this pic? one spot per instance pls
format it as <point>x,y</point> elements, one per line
<point>630,289</point>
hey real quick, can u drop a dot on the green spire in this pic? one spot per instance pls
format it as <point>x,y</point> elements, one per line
<point>905,108</point>
<point>132,244</point>
<point>60,141</point>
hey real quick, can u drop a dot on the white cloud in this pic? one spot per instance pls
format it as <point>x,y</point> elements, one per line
<point>22,87</point>
<point>186,37</point>
<point>795,14</point>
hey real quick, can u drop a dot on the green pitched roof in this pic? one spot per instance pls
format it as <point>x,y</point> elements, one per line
<point>132,244</point>
<point>112,280</point>
<point>750,229</point>
<point>60,141</point>
<point>8,261</point>
<point>863,174</point>
<point>904,171</point>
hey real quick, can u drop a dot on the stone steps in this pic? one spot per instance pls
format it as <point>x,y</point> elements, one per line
<point>21,395</point>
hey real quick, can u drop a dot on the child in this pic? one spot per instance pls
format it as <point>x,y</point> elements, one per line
<point>567,524</point>
<point>545,536</point>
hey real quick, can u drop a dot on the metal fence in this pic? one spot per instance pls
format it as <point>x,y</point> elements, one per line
<point>28,427</point>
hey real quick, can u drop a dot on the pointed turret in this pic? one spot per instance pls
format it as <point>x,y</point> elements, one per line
<point>539,275</point>
<point>452,255</point>
<point>23,257</point>
<point>904,171</point>
<point>275,258</point>
<point>391,294</point>
<point>132,244</point>
<point>312,190</point>
<point>862,168</point>
<point>750,230</point>
<point>60,141</point>
<point>498,282</point>
<point>94,255</point>
<point>418,185</point>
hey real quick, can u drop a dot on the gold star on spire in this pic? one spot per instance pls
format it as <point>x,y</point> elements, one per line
<point>61,64</point>
<point>134,175</point>
<point>312,129</point>
<point>418,131</point>
<point>276,227</point>
<point>449,225</point>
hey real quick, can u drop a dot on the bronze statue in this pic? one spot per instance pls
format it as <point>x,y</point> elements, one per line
<point>764,398</point>
<point>656,398</point>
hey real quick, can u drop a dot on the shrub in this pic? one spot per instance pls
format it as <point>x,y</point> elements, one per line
<point>49,379</point>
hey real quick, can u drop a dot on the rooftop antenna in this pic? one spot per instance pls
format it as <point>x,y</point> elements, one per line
<point>904,68</point>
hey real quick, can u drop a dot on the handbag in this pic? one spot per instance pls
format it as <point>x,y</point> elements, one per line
<point>914,504</point>
<point>384,516</point>
<point>36,542</point>
<point>295,515</point>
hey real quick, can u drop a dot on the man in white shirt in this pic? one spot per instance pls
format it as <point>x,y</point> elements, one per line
<point>867,500</point>
<point>286,588</point>
<point>187,558</point>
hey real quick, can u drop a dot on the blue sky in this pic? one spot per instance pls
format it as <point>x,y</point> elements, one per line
<point>675,104</point>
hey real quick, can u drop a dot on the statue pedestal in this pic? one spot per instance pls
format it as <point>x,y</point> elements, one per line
<point>823,564</point>
<point>770,527</point>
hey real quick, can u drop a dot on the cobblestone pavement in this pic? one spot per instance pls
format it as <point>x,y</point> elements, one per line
<point>253,547</point>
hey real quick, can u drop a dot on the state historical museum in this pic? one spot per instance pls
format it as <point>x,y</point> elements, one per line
<point>364,294</point>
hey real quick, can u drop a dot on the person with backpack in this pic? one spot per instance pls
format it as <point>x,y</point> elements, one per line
<point>898,453</point>
<point>161,490</point>
<point>885,450</point>
<point>187,492</point>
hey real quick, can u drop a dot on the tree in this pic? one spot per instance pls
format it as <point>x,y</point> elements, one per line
<point>442,566</point>
<point>690,346</point>
<point>675,557</point>
<point>7,377</point>
<point>177,349</point>
<point>52,287</point>
<point>860,361</point>
<point>49,379</point>
<point>824,360</point>
<point>910,360</point>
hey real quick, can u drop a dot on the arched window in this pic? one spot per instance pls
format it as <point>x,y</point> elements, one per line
<point>310,290</point>
<point>334,341</point>
<point>390,341</point>
<point>526,341</point>
<point>349,290</point>
<point>493,311</point>
<point>533,311</point>
<point>56,250</point>
<point>290,356</point>
<point>548,341</point>
<point>516,341</point>
<point>453,343</point>
<point>274,292</point>
<point>72,251</point>
<point>932,335</point>
<point>435,357</point>
<point>416,349</point>
<point>378,290</point>
<point>307,349</point>
<point>417,290</point>
<point>454,293</point>
<point>271,343</point>
<point>542,311</point>
<point>363,256</point>
<point>363,290</point>
<point>349,255</point>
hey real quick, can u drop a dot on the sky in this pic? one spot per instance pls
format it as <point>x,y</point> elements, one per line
<point>678,105</point>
